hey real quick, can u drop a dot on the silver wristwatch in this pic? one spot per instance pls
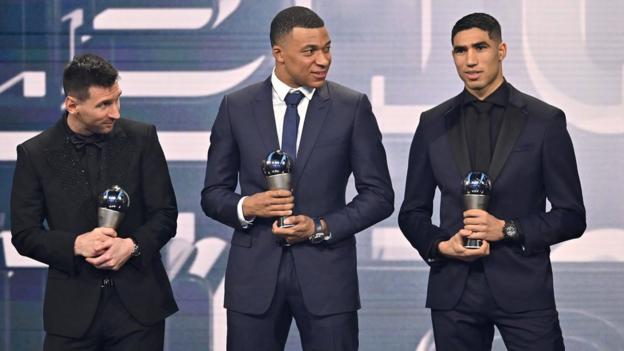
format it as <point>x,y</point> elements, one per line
<point>510,230</point>
<point>319,235</point>
<point>136,250</point>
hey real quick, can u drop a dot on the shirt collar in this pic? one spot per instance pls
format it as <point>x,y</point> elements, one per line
<point>500,96</point>
<point>282,89</point>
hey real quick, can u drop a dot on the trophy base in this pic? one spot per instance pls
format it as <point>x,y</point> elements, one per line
<point>281,224</point>
<point>472,243</point>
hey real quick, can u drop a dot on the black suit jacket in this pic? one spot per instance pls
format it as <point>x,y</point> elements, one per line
<point>340,137</point>
<point>51,203</point>
<point>533,161</point>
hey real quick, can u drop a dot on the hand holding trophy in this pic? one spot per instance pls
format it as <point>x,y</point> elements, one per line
<point>476,189</point>
<point>277,167</point>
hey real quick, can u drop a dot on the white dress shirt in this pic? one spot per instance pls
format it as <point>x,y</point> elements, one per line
<point>280,90</point>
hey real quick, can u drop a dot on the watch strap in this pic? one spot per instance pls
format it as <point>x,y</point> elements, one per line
<point>136,250</point>
<point>319,234</point>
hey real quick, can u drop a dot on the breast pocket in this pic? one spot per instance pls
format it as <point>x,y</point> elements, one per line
<point>523,148</point>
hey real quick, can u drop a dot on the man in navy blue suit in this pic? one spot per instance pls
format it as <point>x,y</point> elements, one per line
<point>307,270</point>
<point>523,144</point>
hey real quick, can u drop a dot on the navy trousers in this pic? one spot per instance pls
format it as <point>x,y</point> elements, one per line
<point>470,326</point>
<point>269,331</point>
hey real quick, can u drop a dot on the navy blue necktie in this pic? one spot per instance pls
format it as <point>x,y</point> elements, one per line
<point>291,124</point>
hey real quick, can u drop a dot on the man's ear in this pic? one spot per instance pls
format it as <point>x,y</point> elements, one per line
<point>502,51</point>
<point>277,53</point>
<point>71,104</point>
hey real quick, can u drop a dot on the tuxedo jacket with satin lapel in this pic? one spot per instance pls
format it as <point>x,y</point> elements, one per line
<point>533,161</point>
<point>49,186</point>
<point>340,137</point>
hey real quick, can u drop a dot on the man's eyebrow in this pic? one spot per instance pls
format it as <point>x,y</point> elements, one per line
<point>480,44</point>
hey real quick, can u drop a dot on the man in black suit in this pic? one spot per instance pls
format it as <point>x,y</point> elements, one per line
<point>523,144</point>
<point>308,270</point>
<point>106,289</point>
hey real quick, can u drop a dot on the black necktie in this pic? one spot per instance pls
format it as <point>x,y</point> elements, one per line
<point>482,149</point>
<point>291,124</point>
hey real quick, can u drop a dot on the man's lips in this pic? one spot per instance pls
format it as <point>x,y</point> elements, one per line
<point>320,74</point>
<point>472,75</point>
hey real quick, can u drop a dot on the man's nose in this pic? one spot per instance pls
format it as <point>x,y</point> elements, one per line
<point>114,111</point>
<point>471,58</point>
<point>323,59</point>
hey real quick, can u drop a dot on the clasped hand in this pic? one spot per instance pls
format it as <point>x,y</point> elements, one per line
<point>483,225</point>
<point>478,224</point>
<point>297,229</point>
<point>279,203</point>
<point>103,249</point>
<point>267,204</point>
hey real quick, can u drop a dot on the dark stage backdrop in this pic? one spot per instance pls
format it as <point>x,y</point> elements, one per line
<point>177,59</point>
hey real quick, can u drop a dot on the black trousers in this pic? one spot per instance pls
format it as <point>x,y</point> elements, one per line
<point>269,331</point>
<point>470,326</point>
<point>112,329</point>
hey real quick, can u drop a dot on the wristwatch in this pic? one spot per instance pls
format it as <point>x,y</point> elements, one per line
<point>510,230</point>
<point>136,250</point>
<point>319,235</point>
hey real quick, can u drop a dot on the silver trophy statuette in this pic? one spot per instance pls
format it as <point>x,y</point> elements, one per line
<point>476,188</point>
<point>113,203</point>
<point>276,168</point>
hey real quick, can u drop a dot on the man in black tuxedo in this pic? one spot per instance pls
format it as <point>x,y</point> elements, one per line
<point>107,289</point>
<point>307,271</point>
<point>523,144</point>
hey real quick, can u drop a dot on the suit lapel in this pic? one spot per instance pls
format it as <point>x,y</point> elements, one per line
<point>63,160</point>
<point>457,138</point>
<point>514,121</point>
<point>315,117</point>
<point>262,109</point>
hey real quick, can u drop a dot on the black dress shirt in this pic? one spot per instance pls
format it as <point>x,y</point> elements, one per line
<point>497,103</point>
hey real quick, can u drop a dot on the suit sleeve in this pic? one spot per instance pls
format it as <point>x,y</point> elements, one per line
<point>160,202</point>
<point>218,198</point>
<point>566,219</point>
<point>417,208</point>
<point>29,235</point>
<point>375,198</point>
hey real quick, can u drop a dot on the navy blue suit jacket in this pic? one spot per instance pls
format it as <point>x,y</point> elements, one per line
<point>340,137</point>
<point>533,161</point>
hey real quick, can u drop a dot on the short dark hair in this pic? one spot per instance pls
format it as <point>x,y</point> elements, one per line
<point>295,16</point>
<point>85,71</point>
<point>482,21</point>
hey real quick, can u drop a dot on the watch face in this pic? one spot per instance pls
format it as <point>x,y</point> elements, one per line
<point>317,238</point>
<point>510,230</point>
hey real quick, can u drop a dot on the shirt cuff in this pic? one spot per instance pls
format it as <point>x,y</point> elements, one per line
<point>244,222</point>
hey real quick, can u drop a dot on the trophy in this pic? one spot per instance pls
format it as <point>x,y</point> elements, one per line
<point>476,187</point>
<point>276,168</point>
<point>113,203</point>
